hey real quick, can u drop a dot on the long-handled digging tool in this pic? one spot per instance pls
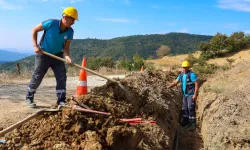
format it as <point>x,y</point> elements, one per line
<point>79,104</point>
<point>74,107</point>
<point>18,124</point>
<point>135,121</point>
<point>77,108</point>
<point>86,69</point>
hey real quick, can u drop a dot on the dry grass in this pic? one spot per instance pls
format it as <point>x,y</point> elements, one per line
<point>26,75</point>
<point>6,77</point>
<point>241,56</point>
<point>73,71</point>
<point>175,61</point>
<point>164,64</point>
<point>170,61</point>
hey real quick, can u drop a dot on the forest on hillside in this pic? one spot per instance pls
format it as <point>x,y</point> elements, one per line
<point>123,48</point>
<point>143,45</point>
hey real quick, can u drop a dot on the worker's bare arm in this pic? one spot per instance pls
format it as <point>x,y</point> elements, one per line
<point>173,83</point>
<point>66,52</point>
<point>35,31</point>
<point>196,83</point>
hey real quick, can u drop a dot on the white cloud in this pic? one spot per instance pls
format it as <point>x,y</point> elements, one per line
<point>22,36</point>
<point>66,1</point>
<point>156,7</point>
<point>171,24</point>
<point>127,2</point>
<point>162,32</point>
<point>247,31</point>
<point>239,5</point>
<point>183,31</point>
<point>6,5</point>
<point>116,20</point>
<point>231,26</point>
<point>74,1</point>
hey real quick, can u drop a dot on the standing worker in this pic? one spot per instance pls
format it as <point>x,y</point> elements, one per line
<point>55,40</point>
<point>190,87</point>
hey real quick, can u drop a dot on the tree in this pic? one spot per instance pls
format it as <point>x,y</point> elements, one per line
<point>107,62</point>
<point>97,63</point>
<point>138,62</point>
<point>237,41</point>
<point>129,65</point>
<point>163,51</point>
<point>204,47</point>
<point>218,44</point>
<point>94,63</point>
<point>125,63</point>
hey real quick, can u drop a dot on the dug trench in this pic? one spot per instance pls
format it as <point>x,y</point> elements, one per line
<point>146,97</point>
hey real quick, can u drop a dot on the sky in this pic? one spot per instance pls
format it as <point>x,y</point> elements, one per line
<point>107,19</point>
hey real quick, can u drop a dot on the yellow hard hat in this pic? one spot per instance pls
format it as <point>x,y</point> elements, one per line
<point>185,64</point>
<point>72,12</point>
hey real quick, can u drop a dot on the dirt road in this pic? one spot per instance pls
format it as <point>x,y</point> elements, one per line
<point>12,96</point>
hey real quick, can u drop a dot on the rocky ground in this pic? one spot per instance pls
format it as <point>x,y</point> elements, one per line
<point>146,97</point>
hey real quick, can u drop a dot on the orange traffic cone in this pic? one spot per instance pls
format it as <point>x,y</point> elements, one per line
<point>142,68</point>
<point>82,83</point>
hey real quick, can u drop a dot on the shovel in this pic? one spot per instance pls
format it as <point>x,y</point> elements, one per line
<point>77,108</point>
<point>86,69</point>
<point>18,124</point>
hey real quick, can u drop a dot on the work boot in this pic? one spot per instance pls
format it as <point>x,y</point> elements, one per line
<point>61,104</point>
<point>191,127</point>
<point>184,128</point>
<point>184,121</point>
<point>30,103</point>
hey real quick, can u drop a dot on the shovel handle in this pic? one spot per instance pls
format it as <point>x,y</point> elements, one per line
<point>18,124</point>
<point>129,120</point>
<point>81,67</point>
<point>75,107</point>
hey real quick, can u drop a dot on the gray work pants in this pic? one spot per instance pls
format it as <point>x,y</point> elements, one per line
<point>188,111</point>
<point>42,64</point>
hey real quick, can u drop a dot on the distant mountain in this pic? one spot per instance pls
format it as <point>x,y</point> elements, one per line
<point>2,62</point>
<point>6,56</point>
<point>144,45</point>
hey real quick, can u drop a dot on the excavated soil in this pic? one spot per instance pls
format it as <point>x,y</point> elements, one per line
<point>146,96</point>
<point>223,110</point>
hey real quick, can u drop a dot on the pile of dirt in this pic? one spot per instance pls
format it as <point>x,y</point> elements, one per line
<point>146,97</point>
<point>223,109</point>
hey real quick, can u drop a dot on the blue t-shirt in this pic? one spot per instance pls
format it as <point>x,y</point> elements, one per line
<point>53,40</point>
<point>193,78</point>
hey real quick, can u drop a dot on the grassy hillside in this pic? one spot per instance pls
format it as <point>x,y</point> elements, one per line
<point>237,57</point>
<point>167,61</point>
<point>144,45</point>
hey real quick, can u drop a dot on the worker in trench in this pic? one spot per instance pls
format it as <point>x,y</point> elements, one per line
<point>190,87</point>
<point>55,40</point>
